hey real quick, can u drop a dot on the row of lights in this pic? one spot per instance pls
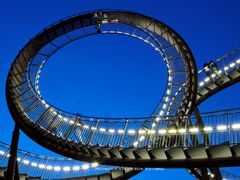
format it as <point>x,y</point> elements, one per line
<point>51,167</point>
<point>110,130</point>
<point>192,130</point>
<point>152,131</point>
<point>226,68</point>
<point>196,130</point>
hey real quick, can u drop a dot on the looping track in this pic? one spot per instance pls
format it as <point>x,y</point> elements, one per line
<point>171,137</point>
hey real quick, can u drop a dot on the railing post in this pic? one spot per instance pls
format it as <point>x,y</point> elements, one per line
<point>228,126</point>
<point>124,132</point>
<point>150,136</point>
<point>93,132</point>
<point>10,173</point>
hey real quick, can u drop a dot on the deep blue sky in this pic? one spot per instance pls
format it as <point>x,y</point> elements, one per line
<point>112,75</point>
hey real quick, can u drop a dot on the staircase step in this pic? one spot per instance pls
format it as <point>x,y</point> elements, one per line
<point>236,150</point>
<point>127,153</point>
<point>196,153</point>
<point>115,153</point>
<point>116,173</point>
<point>219,151</point>
<point>175,153</point>
<point>157,154</point>
<point>141,154</point>
<point>104,152</point>
<point>94,150</point>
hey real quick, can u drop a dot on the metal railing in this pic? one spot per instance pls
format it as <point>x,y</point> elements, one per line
<point>46,167</point>
<point>224,65</point>
<point>126,132</point>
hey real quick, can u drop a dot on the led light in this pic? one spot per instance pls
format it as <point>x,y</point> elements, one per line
<point>95,164</point>
<point>201,83</point>
<point>221,127</point>
<point>170,78</point>
<point>120,131</point>
<point>93,128</point>
<point>78,124</point>
<point>193,130</point>
<point>1,152</point>
<point>166,99</point>
<point>220,71</point>
<point>161,113</point>
<point>226,68</point>
<point>131,131</point>
<point>8,155</point>
<point>182,131</point>
<point>85,166</point>
<point>71,122</point>
<point>151,131</point>
<point>135,144</point>
<point>60,116</point>
<point>33,164</point>
<point>141,138</point>
<point>164,106</point>
<point>25,162</point>
<point>162,131</point>
<point>207,129</point>
<point>141,131</point>
<point>172,131</point>
<point>65,119</point>
<point>102,129</point>
<point>213,75</point>
<point>49,167</point>
<point>41,166</point>
<point>66,168</point>
<point>86,126</point>
<point>236,126</point>
<point>206,79</point>
<point>168,92</point>
<point>44,102</point>
<point>76,168</point>
<point>153,124</point>
<point>157,119</point>
<point>46,105</point>
<point>212,175</point>
<point>232,65</point>
<point>238,61</point>
<point>54,112</point>
<point>57,168</point>
<point>111,130</point>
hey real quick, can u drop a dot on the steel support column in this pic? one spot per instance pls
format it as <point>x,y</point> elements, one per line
<point>11,168</point>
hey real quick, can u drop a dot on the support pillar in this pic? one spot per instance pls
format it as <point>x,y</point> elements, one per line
<point>11,168</point>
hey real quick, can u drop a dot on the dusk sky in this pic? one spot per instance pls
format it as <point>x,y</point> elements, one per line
<point>111,75</point>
